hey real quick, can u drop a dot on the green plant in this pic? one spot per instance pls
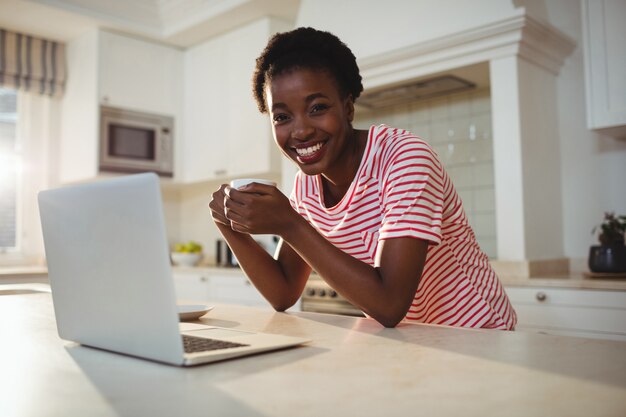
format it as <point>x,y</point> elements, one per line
<point>612,229</point>
<point>189,247</point>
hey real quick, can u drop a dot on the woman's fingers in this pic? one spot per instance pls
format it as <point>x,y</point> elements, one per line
<point>256,209</point>
<point>216,205</point>
<point>244,193</point>
<point>239,227</point>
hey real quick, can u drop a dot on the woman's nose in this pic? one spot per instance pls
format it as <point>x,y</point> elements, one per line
<point>302,130</point>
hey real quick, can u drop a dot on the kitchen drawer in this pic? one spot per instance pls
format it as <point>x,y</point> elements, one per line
<point>589,313</point>
<point>236,290</point>
<point>191,287</point>
<point>211,287</point>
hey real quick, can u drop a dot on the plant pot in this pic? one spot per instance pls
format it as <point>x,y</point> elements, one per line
<point>606,258</point>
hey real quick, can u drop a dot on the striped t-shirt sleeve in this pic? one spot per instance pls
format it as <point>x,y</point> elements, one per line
<point>412,190</point>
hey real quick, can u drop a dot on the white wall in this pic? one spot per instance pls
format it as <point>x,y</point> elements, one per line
<point>593,167</point>
<point>79,114</point>
<point>458,127</point>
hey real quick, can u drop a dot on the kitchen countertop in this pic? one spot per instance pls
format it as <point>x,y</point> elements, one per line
<point>23,270</point>
<point>15,274</point>
<point>353,366</point>
<point>23,274</point>
<point>573,281</point>
<point>210,269</point>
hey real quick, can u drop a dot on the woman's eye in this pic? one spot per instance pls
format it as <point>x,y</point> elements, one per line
<point>279,118</point>
<point>318,108</point>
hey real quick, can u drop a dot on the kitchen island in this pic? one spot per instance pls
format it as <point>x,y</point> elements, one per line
<point>352,367</point>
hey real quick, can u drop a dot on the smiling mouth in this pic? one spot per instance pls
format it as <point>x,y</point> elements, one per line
<point>310,154</point>
<point>309,151</point>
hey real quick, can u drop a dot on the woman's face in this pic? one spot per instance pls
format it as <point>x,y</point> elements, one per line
<point>310,120</point>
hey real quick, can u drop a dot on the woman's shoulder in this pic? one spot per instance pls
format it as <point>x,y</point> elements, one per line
<point>386,138</point>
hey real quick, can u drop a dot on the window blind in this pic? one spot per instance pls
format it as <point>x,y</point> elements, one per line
<point>32,64</point>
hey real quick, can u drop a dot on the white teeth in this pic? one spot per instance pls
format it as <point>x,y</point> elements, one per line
<point>310,150</point>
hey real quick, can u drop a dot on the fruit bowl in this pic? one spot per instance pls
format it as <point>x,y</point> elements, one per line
<point>186,258</point>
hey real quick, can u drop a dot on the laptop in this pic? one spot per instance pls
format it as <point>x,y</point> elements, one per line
<point>111,279</point>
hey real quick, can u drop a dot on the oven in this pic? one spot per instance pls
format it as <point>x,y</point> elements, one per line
<point>319,297</point>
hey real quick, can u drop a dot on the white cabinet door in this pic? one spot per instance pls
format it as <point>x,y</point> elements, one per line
<point>215,287</point>
<point>204,150</point>
<point>192,287</point>
<point>587,313</point>
<point>140,75</point>
<point>225,135</point>
<point>234,289</point>
<point>604,40</point>
<point>251,147</point>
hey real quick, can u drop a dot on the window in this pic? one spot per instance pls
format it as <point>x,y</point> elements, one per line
<point>10,161</point>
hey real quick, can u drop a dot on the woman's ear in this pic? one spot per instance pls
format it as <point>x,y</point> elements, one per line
<point>349,107</point>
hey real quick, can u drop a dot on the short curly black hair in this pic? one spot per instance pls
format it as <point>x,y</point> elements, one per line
<point>306,48</point>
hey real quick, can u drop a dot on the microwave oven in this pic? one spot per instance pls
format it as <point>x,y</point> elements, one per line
<point>132,142</point>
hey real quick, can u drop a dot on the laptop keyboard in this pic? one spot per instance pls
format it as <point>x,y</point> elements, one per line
<point>193,344</point>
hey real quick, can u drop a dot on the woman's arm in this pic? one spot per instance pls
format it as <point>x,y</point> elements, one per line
<point>384,292</point>
<point>280,280</point>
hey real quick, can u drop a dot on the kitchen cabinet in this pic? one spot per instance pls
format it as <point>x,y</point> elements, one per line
<point>141,75</point>
<point>235,289</point>
<point>604,36</point>
<point>572,312</point>
<point>225,135</point>
<point>119,71</point>
<point>217,287</point>
<point>192,286</point>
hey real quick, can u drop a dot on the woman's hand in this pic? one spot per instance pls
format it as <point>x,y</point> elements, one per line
<point>257,209</point>
<point>217,206</point>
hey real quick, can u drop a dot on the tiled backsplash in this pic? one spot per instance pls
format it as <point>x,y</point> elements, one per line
<point>458,127</point>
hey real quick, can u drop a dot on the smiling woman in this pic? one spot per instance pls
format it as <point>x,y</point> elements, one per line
<point>374,211</point>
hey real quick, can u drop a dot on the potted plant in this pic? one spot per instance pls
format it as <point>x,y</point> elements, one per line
<point>610,255</point>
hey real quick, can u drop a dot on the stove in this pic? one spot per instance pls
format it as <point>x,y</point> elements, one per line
<point>319,297</point>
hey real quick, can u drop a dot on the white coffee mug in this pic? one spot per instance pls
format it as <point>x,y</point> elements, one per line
<point>240,182</point>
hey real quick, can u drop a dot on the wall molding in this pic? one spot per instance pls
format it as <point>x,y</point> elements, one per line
<point>520,34</point>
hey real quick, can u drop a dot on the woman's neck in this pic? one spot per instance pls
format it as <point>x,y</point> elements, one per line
<point>336,184</point>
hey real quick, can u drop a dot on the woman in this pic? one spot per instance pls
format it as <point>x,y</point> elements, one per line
<point>373,212</point>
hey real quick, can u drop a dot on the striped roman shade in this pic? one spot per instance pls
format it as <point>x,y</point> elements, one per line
<point>32,64</point>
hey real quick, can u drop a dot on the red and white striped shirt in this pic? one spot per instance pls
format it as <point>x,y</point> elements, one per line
<point>402,190</point>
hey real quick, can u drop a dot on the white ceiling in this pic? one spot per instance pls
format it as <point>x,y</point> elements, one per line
<point>176,22</point>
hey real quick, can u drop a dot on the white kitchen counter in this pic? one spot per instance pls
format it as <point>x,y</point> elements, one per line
<point>38,273</point>
<point>23,274</point>
<point>24,270</point>
<point>573,281</point>
<point>353,366</point>
<point>211,269</point>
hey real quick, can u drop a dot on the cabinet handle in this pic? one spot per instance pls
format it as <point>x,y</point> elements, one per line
<point>203,279</point>
<point>541,296</point>
<point>220,172</point>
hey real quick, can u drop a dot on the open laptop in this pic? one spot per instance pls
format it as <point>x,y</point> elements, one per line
<point>111,279</point>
